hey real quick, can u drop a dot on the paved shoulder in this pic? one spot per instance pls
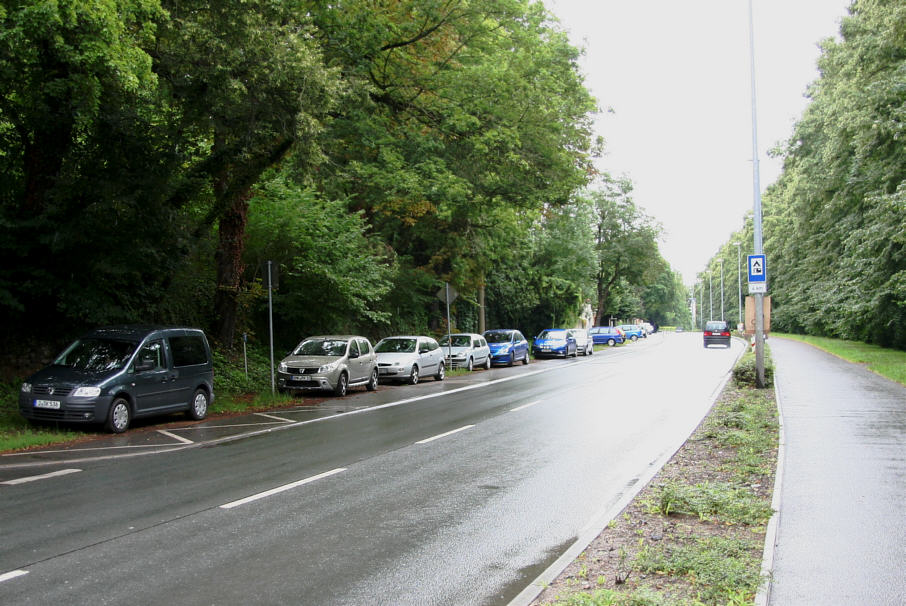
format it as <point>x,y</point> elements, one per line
<point>842,532</point>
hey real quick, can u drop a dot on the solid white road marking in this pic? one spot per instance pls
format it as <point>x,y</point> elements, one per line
<point>444,435</point>
<point>175,437</point>
<point>12,575</point>
<point>275,417</point>
<point>62,472</point>
<point>524,406</point>
<point>283,488</point>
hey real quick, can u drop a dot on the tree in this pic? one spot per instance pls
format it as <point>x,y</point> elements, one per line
<point>625,243</point>
<point>249,85</point>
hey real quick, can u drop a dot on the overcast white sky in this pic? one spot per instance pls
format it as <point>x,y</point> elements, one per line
<point>676,75</point>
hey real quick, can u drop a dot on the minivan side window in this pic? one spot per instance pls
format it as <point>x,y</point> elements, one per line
<point>188,351</point>
<point>152,352</point>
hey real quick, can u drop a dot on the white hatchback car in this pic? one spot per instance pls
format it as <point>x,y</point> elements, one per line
<point>408,358</point>
<point>466,350</point>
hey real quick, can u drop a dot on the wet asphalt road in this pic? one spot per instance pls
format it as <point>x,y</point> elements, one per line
<point>461,497</point>
<point>842,530</point>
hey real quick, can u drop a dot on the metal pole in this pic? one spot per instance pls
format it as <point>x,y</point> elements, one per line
<point>701,304</point>
<point>739,280</point>
<point>270,321</point>
<point>710,298</point>
<point>759,248</point>
<point>721,289</point>
<point>449,327</point>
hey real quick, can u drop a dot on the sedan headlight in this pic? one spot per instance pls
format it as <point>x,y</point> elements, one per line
<point>282,367</point>
<point>86,392</point>
<point>328,367</point>
<point>26,388</point>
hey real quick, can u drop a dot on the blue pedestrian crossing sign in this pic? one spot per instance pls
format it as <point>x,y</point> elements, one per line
<point>757,268</point>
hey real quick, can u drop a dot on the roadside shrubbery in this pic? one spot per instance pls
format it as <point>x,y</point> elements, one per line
<point>745,371</point>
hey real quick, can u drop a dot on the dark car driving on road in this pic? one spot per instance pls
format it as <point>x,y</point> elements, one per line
<point>717,332</point>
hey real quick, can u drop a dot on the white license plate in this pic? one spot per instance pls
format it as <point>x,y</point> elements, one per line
<point>47,404</point>
<point>302,378</point>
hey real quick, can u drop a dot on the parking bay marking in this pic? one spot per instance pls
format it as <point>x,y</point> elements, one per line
<point>175,437</point>
<point>279,489</point>
<point>444,435</point>
<point>275,417</point>
<point>44,476</point>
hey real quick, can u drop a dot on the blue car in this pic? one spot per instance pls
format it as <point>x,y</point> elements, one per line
<point>633,332</point>
<point>507,346</point>
<point>606,335</point>
<point>555,342</point>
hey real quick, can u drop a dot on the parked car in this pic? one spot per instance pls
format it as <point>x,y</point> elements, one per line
<point>409,358</point>
<point>466,350</point>
<point>633,332</point>
<point>554,342</point>
<point>585,345</point>
<point>717,332</point>
<point>507,346</point>
<point>115,374</point>
<point>607,335</point>
<point>333,362</point>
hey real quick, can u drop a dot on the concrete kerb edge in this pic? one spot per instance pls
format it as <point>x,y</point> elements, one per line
<point>763,596</point>
<point>597,525</point>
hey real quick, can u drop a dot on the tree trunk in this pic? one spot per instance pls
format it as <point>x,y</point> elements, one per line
<point>230,267</point>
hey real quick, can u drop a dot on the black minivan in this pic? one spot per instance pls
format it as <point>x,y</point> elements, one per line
<point>114,374</point>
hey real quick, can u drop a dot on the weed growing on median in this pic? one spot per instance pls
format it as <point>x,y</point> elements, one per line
<point>715,566</point>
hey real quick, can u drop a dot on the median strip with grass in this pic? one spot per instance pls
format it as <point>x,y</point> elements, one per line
<point>695,535</point>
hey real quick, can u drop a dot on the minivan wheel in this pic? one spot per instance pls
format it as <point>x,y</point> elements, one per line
<point>441,372</point>
<point>199,407</point>
<point>413,376</point>
<point>342,383</point>
<point>119,416</point>
<point>372,382</point>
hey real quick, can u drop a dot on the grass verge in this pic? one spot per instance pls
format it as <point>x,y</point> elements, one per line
<point>890,363</point>
<point>695,535</point>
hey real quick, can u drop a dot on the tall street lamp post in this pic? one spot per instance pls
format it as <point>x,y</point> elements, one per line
<point>739,279</point>
<point>756,217</point>
<point>710,298</point>
<point>721,289</point>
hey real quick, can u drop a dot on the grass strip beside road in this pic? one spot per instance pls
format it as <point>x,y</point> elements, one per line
<point>695,535</point>
<point>890,363</point>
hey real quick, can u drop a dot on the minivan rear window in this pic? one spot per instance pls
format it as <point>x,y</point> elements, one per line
<point>188,351</point>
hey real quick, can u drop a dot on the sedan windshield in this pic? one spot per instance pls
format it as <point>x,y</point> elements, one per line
<point>321,347</point>
<point>458,341</point>
<point>553,334</point>
<point>96,355</point>
<point>396,346</point>
<point>497,337</point>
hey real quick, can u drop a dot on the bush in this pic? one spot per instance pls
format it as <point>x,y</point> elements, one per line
<point>745,372</point>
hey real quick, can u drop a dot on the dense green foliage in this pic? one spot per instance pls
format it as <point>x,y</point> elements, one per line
<point>833,222</point>
<point>155,155</point>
